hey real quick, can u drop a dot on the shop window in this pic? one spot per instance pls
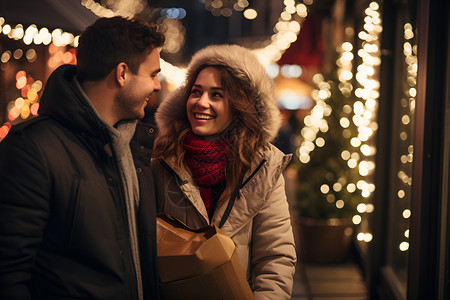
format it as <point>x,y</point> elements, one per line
<point>401,148</point>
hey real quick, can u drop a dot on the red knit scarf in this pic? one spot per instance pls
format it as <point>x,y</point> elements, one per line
<point>207,161</point>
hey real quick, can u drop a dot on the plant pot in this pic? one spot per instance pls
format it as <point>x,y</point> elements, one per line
<point>324,241</point>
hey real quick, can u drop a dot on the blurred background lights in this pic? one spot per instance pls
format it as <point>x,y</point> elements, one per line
<point>404,246</point>
<point>173,13</point>
<point>356,219</point>
<point>291,71</point>
<point>273,70</point>
<point>364,237</point>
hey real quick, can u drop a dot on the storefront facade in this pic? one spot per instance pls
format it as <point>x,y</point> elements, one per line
<point>408,256</point>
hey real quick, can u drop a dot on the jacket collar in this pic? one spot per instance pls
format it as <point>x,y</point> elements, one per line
<point>259,179</point>
<point>64,101</point>
<point>257,189</point>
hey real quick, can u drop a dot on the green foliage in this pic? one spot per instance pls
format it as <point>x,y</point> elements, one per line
<point>327,167</point>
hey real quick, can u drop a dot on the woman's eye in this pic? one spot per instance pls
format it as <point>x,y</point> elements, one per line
<point>195,92</point>
<point>217,95</point>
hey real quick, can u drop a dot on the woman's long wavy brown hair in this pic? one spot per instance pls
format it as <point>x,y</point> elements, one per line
<point>244,133</point>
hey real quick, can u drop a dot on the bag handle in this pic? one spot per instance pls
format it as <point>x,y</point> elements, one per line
<point>232,200</point>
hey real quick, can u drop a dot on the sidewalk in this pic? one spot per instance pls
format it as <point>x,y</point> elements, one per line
<point>323,281</point>
<point>329,282</point>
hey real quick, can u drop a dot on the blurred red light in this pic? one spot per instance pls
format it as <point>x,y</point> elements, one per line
<point>21,82</point>
<point>20,74</point>
<point>24,91</point>
<point>30,79</point>
<point>34,108</point>
<point>13,113</point>
<point>4,131</point>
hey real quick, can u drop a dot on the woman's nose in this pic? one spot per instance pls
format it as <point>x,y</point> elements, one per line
<point>203,101</point>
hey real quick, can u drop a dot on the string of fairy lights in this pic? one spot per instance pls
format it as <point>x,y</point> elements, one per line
<point>407,104</point>
<point>365,109</point>
<point>362,114</point>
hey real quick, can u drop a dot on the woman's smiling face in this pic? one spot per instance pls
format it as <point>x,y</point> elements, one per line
<point>208,107</point>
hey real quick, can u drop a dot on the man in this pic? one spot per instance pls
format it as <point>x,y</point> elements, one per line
<point>69,193</point>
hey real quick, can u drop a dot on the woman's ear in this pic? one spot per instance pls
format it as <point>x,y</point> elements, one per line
<point>121,73</point>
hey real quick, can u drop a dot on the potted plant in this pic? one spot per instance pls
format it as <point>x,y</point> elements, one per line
<point>327,193</point>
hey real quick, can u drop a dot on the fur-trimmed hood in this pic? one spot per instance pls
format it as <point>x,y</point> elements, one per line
<point>243,64</point>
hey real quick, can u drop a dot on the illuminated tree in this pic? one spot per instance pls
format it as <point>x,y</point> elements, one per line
<point>327,170</point>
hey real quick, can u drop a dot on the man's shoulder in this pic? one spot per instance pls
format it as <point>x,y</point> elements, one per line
<point>36,129</point>
<point>26,125</point>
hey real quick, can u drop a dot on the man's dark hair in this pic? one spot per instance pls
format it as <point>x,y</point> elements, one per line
<point>110,41</point>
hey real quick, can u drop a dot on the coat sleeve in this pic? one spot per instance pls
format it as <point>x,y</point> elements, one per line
<point>23,213</point>
<point>273,249</point>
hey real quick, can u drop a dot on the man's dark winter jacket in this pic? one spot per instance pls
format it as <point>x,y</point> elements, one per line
<point>63,220</point>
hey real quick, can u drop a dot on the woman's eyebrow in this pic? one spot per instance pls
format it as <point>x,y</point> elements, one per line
<point>212,88</point>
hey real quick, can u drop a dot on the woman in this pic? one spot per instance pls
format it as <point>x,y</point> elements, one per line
<point>214,135</point>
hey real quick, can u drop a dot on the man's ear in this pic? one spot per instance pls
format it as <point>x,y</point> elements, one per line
<point>121,73</point>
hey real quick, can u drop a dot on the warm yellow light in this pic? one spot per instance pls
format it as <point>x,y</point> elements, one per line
<point>356,219</point>
<point>365,149</point>
<point>32,95</point>
<point>286,16</point>
<point>302,11</point>
<point>5,56</point>
<point>404,159</point>
<point>290,9</point>
<point>361,208</point>
<point>323,94</point>
<point>19,102</point>
<point>352,163</point>
<point>305,158</point>
<point>309,146</point>
<point>294,26</point>
<point>347,46</point>
<point>324,188</point>
<point>25,112</point>
<point>370,103</point>
<point>406,213</point>
<point>320,142</point>
<point>345,155</point>
<point>250,14</point>
<point>368,237</point>
<point>337,187</point>
<point>355,142</point>
<point>351,187</point>
<point>344,122</point>
<point>346,75</point>
<point>364,172</point>
<point>355,156</point>
<point>21,82</point>
<point>360,236</point>
<point>374,5</point>
<point>403,246</point>
<point>289,2</point>
<point>6,29</point>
